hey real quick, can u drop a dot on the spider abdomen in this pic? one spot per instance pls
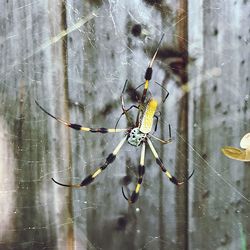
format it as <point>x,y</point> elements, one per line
<point>147,119</point>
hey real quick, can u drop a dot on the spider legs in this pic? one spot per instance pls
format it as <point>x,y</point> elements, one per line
<point>111,157</point>
<point>80,127</point>
<point>163,141</point>
<point>124,110</point>
<point>156,123</point>
<point>160,163</point>
<point>165,90</point>
<point>149,71</point>
<point>122,100</point>
<point>122,95</point>
<point>141,170</point>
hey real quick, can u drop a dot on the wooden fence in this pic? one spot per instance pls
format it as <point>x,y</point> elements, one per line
<point>74,57</point>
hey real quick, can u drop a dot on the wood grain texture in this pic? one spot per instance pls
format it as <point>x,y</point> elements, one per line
<point>220,110</point>
<point>74,57</point>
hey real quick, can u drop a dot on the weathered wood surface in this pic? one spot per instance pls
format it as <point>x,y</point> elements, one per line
<point>79,77</point>
<point>220,100</point>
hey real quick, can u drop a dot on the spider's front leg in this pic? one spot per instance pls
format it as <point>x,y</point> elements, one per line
<point>160,163</point>
<point>124,110</point>
<point>80,127</point>
<point>149,72</point>
<point>141,170</point>
<point>111,157</point>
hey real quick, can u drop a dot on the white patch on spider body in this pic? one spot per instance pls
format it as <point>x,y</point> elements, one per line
<point>136,137</point>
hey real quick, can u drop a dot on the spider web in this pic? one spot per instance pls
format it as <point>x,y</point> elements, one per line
<point>73,57</point>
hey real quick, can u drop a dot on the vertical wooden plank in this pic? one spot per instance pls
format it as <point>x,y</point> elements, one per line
<point>103,63</point>
<point>31,67</point>
<point>103,47</point>
<point>220,200</point>
<point>7,186</point>
<point>183,113</point>
<point>70,232</point>
<point>182,163</point>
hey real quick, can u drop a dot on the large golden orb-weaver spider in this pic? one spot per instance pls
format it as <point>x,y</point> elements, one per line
<point>138,135</point>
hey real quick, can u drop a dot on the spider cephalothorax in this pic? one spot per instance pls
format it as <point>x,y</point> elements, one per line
<point>137,135</point>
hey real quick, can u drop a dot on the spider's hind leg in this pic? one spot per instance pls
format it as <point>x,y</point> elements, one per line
<point>160,163</point>
<point>141,169</point>
<point>90,178</point>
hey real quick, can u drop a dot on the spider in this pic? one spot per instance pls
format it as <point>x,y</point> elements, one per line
<point>138,135</point>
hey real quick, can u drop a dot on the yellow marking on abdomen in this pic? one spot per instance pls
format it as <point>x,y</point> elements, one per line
<point>146,84</point>
<point>147,119</point>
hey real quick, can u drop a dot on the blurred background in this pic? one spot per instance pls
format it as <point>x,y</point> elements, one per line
<point>74,57</point>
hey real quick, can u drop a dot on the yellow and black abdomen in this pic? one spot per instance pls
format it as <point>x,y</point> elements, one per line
<point>148,116</point>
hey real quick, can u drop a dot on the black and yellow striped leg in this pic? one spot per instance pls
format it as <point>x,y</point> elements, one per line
<point>149,71</point>
<point>160,163</point>
<point>159,85</point>
<point>147,77</point>
<point>111,157</point>
<point>141,170</point>
<point>80,127</point>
